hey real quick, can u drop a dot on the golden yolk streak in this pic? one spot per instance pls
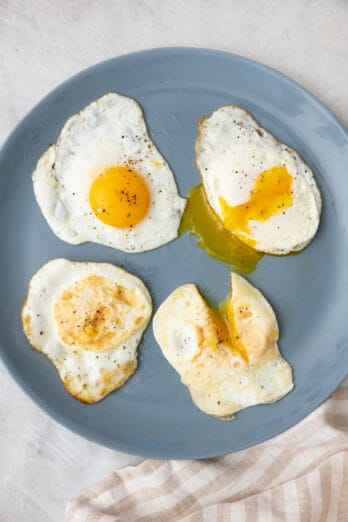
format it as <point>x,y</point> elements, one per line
<point>270,195</point>
<point>119,197</point>
<point>222,329</point>
<point>156,163</point>
<point>223,317</point>
<point>227,314</point>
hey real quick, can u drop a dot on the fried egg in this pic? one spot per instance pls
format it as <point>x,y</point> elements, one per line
<point>227,357</point>
<point>105,181</point>
<point>260,189</point>
<point>88,318</point>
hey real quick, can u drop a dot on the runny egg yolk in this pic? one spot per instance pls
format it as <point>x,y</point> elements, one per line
<point>119,197</point>
<point>199,219</point>
<point>270,195</point>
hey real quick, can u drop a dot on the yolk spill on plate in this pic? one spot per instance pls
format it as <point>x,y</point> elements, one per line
<point>200,220</point>
<point>119,197</point>
<point>270,195</point>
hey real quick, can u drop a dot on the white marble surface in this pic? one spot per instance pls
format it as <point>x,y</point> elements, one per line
<point>41,44</point>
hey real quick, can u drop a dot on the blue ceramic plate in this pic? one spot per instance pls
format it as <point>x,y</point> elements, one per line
<point>152,414</point>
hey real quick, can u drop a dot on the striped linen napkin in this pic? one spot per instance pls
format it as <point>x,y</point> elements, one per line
<point>300,475</point>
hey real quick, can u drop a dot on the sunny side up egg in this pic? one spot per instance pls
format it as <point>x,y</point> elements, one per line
<point>260,189</point>
<point>227,357</point>
<point>105,181</point>
<point>88,318</point>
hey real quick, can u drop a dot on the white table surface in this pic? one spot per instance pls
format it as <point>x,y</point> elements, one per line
<point>42,43</point>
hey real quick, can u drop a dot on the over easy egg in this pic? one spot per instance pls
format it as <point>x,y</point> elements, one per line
<point>260,189</point>
<point>228,358</point>
<point>88,318</point>
<point>105,181</point>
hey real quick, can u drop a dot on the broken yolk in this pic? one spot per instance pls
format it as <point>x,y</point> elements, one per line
<point>222,329</point>
<point>119,197</point>
<point>223,317</point>
<point>227,314</point>
<point>199,219</point>
<point>270,195</point>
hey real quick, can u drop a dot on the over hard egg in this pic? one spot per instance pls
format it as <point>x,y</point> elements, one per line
<point>228,357</point>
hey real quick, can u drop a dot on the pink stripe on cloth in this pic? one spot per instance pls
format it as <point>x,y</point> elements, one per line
<point>301,475</point>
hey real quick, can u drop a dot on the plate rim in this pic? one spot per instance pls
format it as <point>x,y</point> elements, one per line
<point>70,424</point>
<point>173,49</point>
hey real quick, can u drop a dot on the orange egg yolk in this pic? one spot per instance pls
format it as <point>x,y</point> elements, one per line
<point>119,197</point>
<point>270,195</point>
